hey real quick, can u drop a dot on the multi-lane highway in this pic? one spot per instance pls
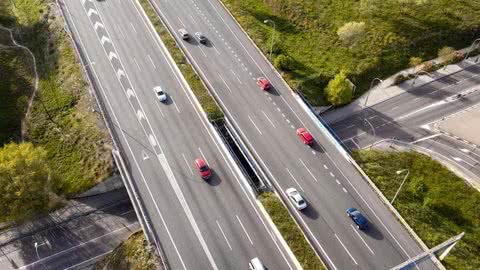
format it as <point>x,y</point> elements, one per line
<point>408,118</point>
<point>266,121</point>
<point>198,224</point>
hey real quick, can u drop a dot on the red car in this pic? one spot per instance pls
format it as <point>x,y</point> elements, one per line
<point>202,168</point>
<point>263,83</point>
<point>305,136</point>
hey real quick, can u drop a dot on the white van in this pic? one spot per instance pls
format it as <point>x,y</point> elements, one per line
<point>256,264</point>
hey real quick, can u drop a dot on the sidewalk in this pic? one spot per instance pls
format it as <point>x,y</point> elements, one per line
<point>387,90</point>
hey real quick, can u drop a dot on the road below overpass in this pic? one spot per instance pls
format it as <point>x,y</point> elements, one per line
<point>230,64</point>
<point>199,225</point>
<point>411,117</point>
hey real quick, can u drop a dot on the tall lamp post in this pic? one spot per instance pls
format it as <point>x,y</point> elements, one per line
<point>368,94</point>
<point>273,35</point>
<point>401,185</point>
<point>475,44</point>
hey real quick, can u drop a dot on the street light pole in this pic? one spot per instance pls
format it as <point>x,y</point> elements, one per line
<point>368,94</point>
<point>273,35</point>
<point>401,185</point>
<point>475,44</point>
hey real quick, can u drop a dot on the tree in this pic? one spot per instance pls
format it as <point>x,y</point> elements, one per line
<point>24,181</point>
<point>415,63</point>
<point>339,90</point>
<point>351,32</point>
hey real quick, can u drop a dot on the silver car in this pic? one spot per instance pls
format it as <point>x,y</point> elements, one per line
<point>296,198</point>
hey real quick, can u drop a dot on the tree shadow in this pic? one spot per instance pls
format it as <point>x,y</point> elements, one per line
<point>56,236</point>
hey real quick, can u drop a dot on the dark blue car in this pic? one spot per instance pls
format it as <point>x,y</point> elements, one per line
<point>358,218</point>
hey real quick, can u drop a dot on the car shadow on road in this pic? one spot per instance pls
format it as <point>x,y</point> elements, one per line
<point>272,91</point>
<point>310,212</point>
<point>373,232</point>
<point>214,180</point>
<point>317,147</point>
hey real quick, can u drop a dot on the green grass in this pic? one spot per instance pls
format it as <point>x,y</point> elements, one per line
<point>132,254</point>
<point>434,201</point>
<point>198,88</point>
<point>61,121</point>
<point>291,232</point>
<point>395,31</point>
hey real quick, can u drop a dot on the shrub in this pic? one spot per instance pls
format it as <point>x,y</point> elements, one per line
<point>283,62</point>
<point>339,90</point>
<point>400,78</point>
<point>351,33</point>
<point>428,66</point>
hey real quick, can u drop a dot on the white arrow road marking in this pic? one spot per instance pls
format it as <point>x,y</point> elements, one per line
<point>112,55</point>
<point>98,24</point>
<point>140,115</point>
<point>457,159</point>
<point>105,39</point>
<point>120,73</point>
<point>130,93</point>
<point>145,155</point>
<point>91,11</point>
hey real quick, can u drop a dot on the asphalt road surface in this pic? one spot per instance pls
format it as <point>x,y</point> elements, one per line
<point>230,64</point>
<point>409,117</point>
<point>199,224</point>
<point>94,227</point>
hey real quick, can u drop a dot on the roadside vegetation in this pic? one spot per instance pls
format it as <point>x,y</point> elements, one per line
<point>434,201</point>
<point>290,231</point>
<point>316,40</point>
<point>132,254</point>
<point>206,100</point>
<point>16,86</point>
<point>61,124</point>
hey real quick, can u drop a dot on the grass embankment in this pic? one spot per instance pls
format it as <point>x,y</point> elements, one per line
<point>198,88</point>
<point>132,254</point>
<point>61,119</point>
<point>16,80</point>
<point>434,201</point>
<point>291,232</point>
<point>395,30</point>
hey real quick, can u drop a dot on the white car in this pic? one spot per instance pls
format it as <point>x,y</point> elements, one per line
<point>183,33</point>
<point>296,198</point>
<point>161,95</point>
